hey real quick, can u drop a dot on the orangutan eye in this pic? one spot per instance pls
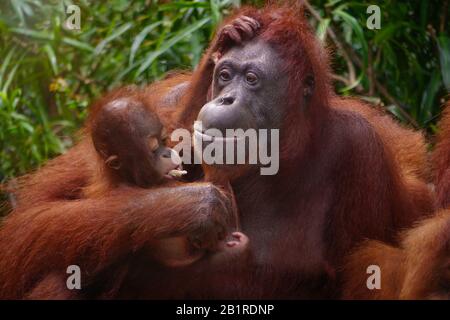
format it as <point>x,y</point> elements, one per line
<point>251,78</point>
<point>153,143</point>
<point>225,75</point>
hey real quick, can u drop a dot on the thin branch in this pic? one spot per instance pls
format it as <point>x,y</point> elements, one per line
<point>384,92</point>
<point>339,78</point>
<point>337,43</point>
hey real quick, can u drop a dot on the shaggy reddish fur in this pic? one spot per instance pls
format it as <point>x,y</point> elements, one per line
<point>97,233</point>
<point>441,160</point>
<point>417,269</point>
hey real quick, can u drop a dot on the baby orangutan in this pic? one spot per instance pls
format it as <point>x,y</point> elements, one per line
<point>130,141</point>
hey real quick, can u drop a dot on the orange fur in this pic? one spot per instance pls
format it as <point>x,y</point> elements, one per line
<point>441,160</point>
<point>418,269</point>
<point>407,146</point>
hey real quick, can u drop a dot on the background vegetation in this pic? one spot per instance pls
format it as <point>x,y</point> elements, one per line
<point>49,75</point>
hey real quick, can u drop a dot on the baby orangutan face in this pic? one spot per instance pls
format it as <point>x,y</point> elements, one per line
<point>130,139</point>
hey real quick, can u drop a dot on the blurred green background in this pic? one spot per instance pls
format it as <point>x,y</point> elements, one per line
<point>49,75</point>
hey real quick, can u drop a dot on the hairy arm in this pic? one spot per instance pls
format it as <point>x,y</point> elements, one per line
<point>93,233</point>
<point>355,277</point>
<point>60,179</point>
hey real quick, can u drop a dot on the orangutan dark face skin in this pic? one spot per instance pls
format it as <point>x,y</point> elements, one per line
<point>248,90</point>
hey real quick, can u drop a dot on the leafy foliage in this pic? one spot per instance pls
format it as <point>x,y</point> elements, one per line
<point>49,75</point>
<point>405,62</point>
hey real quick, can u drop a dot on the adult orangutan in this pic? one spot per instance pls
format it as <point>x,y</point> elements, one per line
<point>339,181</point>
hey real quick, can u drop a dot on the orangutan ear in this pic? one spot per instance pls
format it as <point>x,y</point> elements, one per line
<point>308,86</point>
<point>113,162</point>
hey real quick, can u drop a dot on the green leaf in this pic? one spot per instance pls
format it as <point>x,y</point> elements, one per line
<point>10,77</point>
<point>124,28</point>
<point>38,35</point>
<point>386,33</point>
<point>139,38</point>
<point>51,58</point>
<point>444,58</point>
<point>19,117</point>
<point>181,5</point>
<point>215,10</point>
<point>78,44</point>
<point>427,103</point>
<point>352,85</point>
<point>395,110</point>
<point>17,7</point>
<point>169,43</point>
<point>355,26</point>
<point>5,63</point>
<point>322,29</point>
<point>28,127</point>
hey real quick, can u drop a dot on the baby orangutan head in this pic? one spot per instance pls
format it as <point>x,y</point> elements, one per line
<point>129,137</point>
